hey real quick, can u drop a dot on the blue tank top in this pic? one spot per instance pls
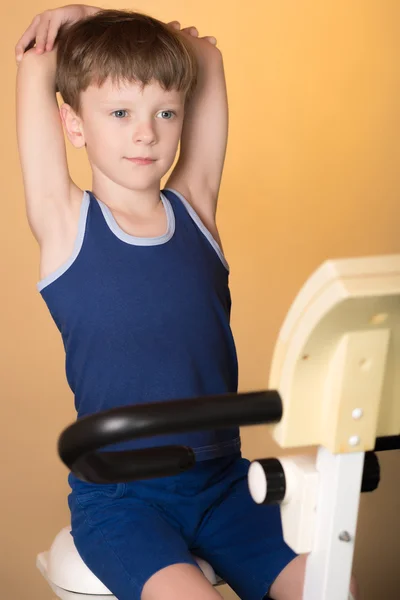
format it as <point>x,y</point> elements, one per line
<point>146,319</point>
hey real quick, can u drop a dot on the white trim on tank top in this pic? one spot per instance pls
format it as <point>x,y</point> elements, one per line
<point>140,241</point>
<point>77,246</point>
<point>193,214</point>
<point>125,237</point>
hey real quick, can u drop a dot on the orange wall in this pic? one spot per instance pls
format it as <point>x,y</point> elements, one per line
<point>312,172</point>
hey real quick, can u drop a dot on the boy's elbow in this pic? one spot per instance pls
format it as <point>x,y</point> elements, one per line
<point>29,56</point>
<point>32,60</point>
<point>209,53</point>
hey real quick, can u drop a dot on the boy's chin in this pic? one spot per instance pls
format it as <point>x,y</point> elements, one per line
<point>143,184</point>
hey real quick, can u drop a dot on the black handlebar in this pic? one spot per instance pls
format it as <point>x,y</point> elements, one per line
<point>78,444</point>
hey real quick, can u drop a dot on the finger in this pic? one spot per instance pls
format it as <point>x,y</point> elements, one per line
<point>210,39</point>
<point>191,31</point>
<point>52,34</point>
<point>41,35</point>
<point>174,24</point>
<point>27,39</point>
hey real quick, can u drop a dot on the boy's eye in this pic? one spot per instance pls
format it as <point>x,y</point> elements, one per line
<point>117,113</point>
<point>166,114</point>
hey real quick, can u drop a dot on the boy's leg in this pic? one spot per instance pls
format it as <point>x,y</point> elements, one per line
<point>243,542</point>
<point>133,549</point>
<point>290,582</point>
<point>179,582</point>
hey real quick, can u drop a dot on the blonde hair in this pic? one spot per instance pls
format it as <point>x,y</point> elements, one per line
<point>127,47</point>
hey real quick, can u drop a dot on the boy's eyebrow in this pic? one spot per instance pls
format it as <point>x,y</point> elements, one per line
<point>121,101</point>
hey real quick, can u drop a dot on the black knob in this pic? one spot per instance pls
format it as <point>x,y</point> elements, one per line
<point>267,482</point>
<point>372,472</point>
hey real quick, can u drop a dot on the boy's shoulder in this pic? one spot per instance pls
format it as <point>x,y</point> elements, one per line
<point>198,204</point>
<point>57,244</point>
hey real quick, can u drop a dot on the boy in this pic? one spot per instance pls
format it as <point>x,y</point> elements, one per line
<point>137,283</point>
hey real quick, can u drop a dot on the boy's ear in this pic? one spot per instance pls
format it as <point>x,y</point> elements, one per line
<point>73,126</point>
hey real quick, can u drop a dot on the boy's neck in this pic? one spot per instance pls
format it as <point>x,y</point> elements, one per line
<point>126,201</point>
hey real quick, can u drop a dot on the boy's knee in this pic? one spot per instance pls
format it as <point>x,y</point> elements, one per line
<point>354,593</point>
<point>289,585</point>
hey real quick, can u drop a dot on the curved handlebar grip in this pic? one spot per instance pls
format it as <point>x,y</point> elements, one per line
<point>129,465</point>
<point>79,443</point>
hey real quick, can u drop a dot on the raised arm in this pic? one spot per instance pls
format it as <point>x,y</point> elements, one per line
<point>198,172</point>
<point>41,143</point>
<point>47,183</point>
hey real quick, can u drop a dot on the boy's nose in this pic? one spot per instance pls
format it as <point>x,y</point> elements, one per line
<point>145,133</point>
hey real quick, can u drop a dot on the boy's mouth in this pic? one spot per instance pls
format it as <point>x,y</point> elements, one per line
<point>140,160</point>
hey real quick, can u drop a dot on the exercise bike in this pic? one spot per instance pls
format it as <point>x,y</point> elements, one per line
<point>334,382</point>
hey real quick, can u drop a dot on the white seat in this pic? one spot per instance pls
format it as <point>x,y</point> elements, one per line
<point>70,578</point>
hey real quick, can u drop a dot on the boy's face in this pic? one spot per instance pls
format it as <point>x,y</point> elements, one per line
<point>124,122</point>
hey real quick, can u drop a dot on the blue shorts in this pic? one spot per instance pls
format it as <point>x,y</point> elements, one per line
<point>127,532</point>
